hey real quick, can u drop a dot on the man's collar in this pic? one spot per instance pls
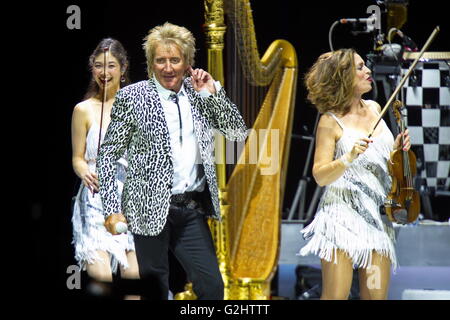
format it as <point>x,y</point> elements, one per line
<point>165,93</point>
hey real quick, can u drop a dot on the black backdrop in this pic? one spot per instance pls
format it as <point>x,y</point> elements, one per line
<point>53,76</point>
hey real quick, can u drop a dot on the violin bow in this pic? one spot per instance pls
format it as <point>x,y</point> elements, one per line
<point>105,82</point>
<point>408,73</point>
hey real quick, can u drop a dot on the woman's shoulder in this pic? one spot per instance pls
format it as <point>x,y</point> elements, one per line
<point>326,117</point>
<point>331,124</point>
<point>83,110</point>
<point>327,120</point>
<point>373,104</point>
<point>85,105</point>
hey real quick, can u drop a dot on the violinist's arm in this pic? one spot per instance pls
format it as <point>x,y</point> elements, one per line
<point>325,169</point>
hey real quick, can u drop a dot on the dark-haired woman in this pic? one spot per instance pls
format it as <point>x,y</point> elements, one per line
<point>96,250</point>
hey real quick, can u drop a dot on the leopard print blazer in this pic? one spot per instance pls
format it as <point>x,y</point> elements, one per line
<point>138,127</point>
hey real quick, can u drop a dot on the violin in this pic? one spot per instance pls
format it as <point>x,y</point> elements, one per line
<point>403,202</point>
<point>402,205</point>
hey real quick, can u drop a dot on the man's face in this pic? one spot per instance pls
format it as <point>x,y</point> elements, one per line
<point>169,66</point>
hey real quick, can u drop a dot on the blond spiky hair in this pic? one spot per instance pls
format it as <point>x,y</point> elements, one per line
<point>168,34</point>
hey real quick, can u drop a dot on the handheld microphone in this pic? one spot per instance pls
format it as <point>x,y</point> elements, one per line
<point>121,227</point>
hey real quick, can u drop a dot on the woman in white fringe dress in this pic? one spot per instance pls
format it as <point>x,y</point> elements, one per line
<point>348,230</point>
<point>96,250</point>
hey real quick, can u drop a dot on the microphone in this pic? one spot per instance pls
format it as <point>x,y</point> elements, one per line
<point>370,22</point>
<point>409,44</point>
<point>353,20</point>
<point>121,227</point>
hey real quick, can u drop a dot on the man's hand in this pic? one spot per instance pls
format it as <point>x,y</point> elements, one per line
<point>201,79</point>
<point>110,222</point>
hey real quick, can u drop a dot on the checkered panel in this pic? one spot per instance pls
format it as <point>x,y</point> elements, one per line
<point>428,84</point>
<point>427,98</point>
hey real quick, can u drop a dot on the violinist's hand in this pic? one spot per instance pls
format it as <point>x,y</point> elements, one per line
<point>201,79</point>
<point>110,222</point>
<point>90,180</point>
<point>406,141</point>
<point>360,146</point>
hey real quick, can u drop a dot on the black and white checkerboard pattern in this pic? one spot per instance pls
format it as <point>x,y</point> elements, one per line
<point>427,98</point>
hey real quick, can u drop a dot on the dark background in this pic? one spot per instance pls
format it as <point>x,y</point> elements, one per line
<point>53,77</point>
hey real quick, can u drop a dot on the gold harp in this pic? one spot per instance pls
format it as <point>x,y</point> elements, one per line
<point>251,190</point>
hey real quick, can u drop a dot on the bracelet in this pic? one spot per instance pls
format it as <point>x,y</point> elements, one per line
<point>344,160</point>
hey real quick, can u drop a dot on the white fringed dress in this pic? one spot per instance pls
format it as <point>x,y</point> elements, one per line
<point>348,215</point>
<point>89,233</point>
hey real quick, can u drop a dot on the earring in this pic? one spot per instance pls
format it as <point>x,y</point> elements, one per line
<point>122,79</point>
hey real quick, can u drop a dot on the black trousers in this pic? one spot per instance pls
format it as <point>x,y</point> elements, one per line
<point>187,235</point>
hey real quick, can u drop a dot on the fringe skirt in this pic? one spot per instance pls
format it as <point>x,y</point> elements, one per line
<point>90,235</point>
<point>357,233</point>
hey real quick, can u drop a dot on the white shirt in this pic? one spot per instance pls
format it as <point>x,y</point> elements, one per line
<point>187,163</point>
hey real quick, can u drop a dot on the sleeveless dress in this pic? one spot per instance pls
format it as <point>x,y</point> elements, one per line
<point>89,233</point>
<point>348,215</point>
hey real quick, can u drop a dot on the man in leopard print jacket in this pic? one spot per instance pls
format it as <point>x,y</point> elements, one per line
<point>166,126</point>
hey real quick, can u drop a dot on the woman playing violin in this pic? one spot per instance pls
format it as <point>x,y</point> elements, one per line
<point>348,230</point>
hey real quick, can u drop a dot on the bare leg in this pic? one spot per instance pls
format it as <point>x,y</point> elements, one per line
<point>132,272</point>
<point>374,281</point>
<point>100,270</point>
<point>337,278</point>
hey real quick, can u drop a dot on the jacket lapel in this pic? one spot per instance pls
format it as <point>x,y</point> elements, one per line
<point>156,117</point>
<point>194,101</point>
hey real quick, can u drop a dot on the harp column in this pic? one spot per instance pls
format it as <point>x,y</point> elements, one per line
<point>215,31</point>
